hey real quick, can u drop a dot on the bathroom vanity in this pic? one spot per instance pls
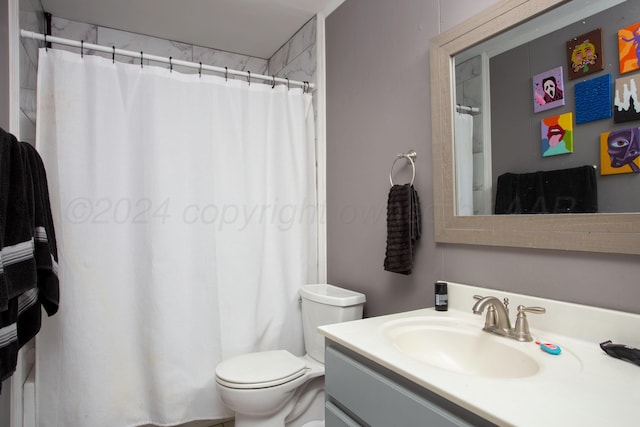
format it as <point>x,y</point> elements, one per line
<point>424,366</point>
<point>361,392</point>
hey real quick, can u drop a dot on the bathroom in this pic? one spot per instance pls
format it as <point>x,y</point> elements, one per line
<point>378,104</point>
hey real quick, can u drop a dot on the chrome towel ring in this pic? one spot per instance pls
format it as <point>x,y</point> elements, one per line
<point>411,156</point>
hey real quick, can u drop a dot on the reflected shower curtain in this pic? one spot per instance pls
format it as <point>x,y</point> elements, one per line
<point>186,218</point>
<point>464,163</point>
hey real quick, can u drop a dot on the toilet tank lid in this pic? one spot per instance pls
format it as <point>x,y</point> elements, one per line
<point>331,295</point>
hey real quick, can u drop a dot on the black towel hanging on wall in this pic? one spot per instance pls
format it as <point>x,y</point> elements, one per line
<point>403,228</point>
<point>403,222</point>
<point>28,267</point>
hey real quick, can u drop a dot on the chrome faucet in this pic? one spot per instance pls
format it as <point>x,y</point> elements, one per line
<point>497,319</point>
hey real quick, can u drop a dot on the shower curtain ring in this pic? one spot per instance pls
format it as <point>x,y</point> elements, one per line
<point>113,55</point>
<point>226,71</point>
<point>249,77</point>
<point>200,70</point>
<point>288,86</point>
<point>170,64</point>
<point>141,57</point>
<point>81,48</point>
<point>273,85</point>
<point>46,48</point>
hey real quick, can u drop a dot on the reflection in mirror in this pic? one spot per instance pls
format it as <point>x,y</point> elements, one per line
<point>501,130</point>
<point>482,78</point>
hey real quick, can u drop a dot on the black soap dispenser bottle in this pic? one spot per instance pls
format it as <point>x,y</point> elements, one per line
<point>442,297</point>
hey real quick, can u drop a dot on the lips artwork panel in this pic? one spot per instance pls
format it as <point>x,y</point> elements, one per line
<point>557,135</point>
<point>548,90</point>
<point>620,151</point>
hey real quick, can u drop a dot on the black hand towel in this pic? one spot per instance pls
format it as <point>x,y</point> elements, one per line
<point>403,228</point>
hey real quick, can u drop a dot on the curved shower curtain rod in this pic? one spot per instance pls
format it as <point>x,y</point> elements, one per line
<point>307,87</point>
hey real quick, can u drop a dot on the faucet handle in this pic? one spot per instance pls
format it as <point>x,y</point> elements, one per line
<point>535,310</point>
<point>478,297</point>
<point>521,330</point>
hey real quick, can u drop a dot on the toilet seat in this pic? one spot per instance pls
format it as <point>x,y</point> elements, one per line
<point>260,370</point>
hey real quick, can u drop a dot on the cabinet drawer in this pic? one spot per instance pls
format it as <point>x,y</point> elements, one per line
<point>380,401</point>
<point>334,417</point>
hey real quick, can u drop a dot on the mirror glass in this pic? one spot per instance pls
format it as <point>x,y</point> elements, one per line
<point>491,66</point>
<point>524,114</point>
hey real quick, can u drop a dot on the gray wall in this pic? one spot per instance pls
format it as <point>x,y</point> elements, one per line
<point>378,105</point>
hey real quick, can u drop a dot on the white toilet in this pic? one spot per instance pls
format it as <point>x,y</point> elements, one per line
<point>276,388</point>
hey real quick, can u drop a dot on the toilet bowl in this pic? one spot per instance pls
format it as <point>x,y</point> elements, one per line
<point>276,388</point>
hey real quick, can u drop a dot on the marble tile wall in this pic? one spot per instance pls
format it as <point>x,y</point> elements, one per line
<point>31,18</point>
<point>153,45</point>
<point>296,59</point>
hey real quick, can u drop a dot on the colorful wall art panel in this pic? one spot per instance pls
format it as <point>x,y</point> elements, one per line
<point>626,103</point>
<point>629,48</point>
<point>557,135</point>
<point>548,90</point>
<point>584,54</point>
<point>594,99</point>
<point>620,151</point>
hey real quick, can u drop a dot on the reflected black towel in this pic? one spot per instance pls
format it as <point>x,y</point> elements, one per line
<point>571,190</point>
<point>403,228</point>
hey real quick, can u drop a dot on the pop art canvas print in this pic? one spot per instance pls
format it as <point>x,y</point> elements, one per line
<point>620,151</point>
<point>557,135</point>
<point>629,48</point>
<point>626,102</point>
<point>548,90</point>
<point>584,54</point>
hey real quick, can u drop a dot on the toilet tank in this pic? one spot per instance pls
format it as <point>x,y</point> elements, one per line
<point>323,305</point>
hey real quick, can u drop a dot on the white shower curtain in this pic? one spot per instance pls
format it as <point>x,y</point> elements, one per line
<point>186,219</point>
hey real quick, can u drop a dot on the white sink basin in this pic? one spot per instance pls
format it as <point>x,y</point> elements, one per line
<point>461,347</point>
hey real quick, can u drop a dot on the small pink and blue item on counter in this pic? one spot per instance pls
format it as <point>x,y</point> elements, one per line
<point>549,348</point>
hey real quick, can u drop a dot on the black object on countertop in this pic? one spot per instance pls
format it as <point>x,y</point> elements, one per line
<point>442,297</point>
<point>621,351</point>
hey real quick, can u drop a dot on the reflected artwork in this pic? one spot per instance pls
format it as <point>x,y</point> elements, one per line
<point>593,99</point>
<point>557,135</point>
<point>584,54</point>
<point>548,90</point>
<point>626,102</point>
<point>629,48</point>
<point>620,151</point>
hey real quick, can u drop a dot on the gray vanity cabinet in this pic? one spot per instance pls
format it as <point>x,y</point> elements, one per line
<point>360,392</point>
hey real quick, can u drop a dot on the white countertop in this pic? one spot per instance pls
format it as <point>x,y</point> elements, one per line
<point>582,386</point>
